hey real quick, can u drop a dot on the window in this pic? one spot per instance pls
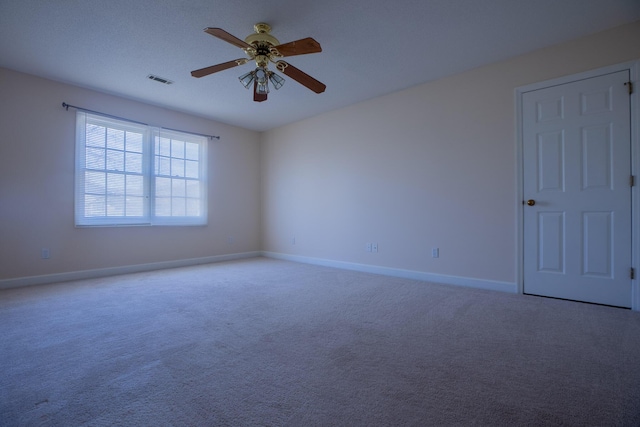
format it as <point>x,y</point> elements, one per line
<point>133,174</point>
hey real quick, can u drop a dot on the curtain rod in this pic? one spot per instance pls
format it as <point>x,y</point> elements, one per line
<point>194,133</point>
<point>67,106</point>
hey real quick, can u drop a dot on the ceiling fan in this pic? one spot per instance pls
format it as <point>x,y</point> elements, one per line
<point>263,48</point>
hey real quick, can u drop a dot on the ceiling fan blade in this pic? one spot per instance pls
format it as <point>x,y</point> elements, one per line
<point>258,97</point>
<point>301,77</point>
<point>229,38</point>
<point>215,68</point>
<point>299,47</point>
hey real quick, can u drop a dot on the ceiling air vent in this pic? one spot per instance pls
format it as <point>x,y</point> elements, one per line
<point>159,79</point>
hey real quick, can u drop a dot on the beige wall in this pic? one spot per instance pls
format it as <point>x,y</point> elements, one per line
<point>431,166</point>
<point>37,138</point>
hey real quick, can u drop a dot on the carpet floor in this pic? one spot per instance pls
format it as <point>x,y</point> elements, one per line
<point>273,343</point>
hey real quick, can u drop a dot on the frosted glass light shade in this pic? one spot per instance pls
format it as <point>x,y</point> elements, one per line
<point>276,80</point>
<point>247,79</point>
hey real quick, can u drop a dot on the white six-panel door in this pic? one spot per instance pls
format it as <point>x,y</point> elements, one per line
<point>576,180</point>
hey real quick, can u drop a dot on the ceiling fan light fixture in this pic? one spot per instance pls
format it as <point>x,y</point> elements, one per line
<point>261,75</point>
<point>262,78</point>
<point>276,80</point>
<point>247,79</point>
<point>262,88</point>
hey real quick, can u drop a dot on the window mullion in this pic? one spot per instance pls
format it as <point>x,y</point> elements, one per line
<point>150,174</point>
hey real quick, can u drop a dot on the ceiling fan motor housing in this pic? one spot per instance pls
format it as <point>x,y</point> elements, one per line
<point>262,36</point>
<point>262,42</point>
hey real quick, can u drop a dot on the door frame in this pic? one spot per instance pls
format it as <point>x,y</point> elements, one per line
<point>634,72</point>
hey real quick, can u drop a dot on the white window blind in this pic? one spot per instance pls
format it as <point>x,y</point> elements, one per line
<point>133,174</point>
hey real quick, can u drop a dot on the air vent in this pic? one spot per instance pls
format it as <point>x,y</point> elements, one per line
<point>159,79</point>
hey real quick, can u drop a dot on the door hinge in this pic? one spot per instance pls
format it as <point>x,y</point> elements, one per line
<point>632,181</point>
<point>629,86</point>
<point>633,273</point>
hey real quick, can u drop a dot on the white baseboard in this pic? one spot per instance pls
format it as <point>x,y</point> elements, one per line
<point>365,268</point>
<point>398,272</point>
<point>113,271</point>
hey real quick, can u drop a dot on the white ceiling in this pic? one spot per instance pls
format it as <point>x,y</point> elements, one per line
<point>370,47</point>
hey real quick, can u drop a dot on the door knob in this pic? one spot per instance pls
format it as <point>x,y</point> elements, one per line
<point>531,202</point>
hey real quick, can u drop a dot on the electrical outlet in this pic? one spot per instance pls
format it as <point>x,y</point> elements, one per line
<point>45,253</point>
<point>374,247</point>
<point>435,252</point>
<point>369,247</point>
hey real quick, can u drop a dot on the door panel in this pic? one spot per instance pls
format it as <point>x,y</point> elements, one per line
<point>598,253</point>
<point>577,163</point>
<point>551,161</point>
<point>551,242</point>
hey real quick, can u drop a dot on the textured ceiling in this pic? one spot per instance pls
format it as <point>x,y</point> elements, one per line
<point>370,48</point>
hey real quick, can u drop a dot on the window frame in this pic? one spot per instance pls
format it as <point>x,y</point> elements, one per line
<point>202,179</point>
<point>150,178</point>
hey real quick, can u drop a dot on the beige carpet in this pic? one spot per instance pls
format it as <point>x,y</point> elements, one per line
<point>275,343</point>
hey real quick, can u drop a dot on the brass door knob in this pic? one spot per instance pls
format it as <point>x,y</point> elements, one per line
<point>531,202</point>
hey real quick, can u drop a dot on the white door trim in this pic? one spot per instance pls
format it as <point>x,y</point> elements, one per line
<point>634,68</point>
